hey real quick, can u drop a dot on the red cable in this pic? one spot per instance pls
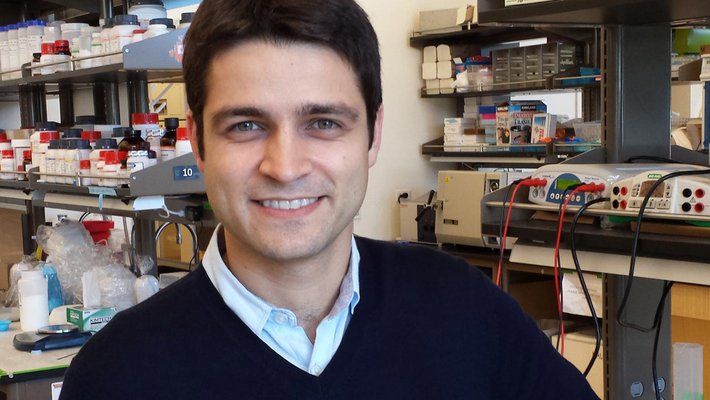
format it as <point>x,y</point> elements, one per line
<point>526,182</point>
<point>591,187</point>
<point>505,231</point>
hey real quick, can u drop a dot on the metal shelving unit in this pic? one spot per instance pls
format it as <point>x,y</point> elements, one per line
<point>635,99</point>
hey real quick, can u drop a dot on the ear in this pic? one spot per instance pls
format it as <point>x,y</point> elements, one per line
<point>377,137</point>
<point>192,132</point>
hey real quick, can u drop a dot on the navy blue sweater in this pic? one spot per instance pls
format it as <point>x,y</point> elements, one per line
<point>428,326</point>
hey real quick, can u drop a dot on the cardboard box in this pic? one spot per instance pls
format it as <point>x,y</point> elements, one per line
<point>447,20</point>
<point>90,319</point>
<point>514,121</point>
<point>543,126</point>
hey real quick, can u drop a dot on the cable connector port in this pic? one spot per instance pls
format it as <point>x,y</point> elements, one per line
<point>533,182</point>
<point>591,187</point>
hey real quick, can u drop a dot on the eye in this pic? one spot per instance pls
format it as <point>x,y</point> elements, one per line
<point>324,124</point>
<point>247,126</point>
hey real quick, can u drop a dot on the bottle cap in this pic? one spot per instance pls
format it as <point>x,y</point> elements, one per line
<point>47,48</point>
<point>26,154</point>
<point>106,144</point>
<point>144,118</point>
<point>182,133</point>
<point>8,153</point>
<point>46,136</point>
<point>168,22</point>
<point>186,17</point>
<point>83,144</point>
<point>84,164</point>
<point>123,19</point>
<point>172,123</point>
<point>72,133</point>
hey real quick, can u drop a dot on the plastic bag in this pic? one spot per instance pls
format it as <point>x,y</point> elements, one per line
<point>12,299</point>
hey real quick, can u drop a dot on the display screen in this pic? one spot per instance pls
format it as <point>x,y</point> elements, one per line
<point>646,186</point>
<point>564,184</point>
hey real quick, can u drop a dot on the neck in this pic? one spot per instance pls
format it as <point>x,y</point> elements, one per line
<point>308,287</point>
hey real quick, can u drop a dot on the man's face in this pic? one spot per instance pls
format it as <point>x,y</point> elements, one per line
<point>286,153</point>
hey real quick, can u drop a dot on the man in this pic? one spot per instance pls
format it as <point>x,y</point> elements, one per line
<point>285,120</point>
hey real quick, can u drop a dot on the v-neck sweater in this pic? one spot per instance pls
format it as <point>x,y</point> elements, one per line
<point>428,326</point>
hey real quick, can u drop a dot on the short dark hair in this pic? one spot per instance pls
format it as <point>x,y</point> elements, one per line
<point>341,25</point>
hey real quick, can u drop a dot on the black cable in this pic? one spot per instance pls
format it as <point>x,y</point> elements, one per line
<point>651,158</point>
<point>583,283</point>
<point>634,247</point>
<point>560,314</point>
<point>659,316</point>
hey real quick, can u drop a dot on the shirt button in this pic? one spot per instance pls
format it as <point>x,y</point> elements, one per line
<point>317,369</point>
<point>280,319</point>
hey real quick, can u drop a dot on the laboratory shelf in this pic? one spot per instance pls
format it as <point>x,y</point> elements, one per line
<point>158,59</point>
<point>520,155</point>
<point>595,12</point>
<point>474,33</point>
<point>553,85</point>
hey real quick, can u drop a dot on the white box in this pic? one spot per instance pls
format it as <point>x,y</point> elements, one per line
<point>429,54</point>
<point>444,69</point>
<point>543,126</point>
<point>465,122</point>
<point>429,70</point>
<point>470,115</point>
<point>470,100</point>
<point>443,52</point>
<point>446,85</point>
<point>432,84</point>
<point>432,92</point>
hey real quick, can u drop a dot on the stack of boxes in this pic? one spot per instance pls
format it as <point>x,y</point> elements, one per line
<point>438,70</point>
<point>461,134</point>
<point>487,115</point>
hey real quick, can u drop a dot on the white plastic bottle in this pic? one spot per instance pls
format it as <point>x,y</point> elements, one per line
<point>147,123</point>
<point>35,31</point>
<point>47,57</point>
<point>96,48</point>
<point>22,44</point>
<point>34,300</point>
<point>50,162</point>
<point>105,40</point>
<point>12,46</point>
<point>7,165</point>
<point>4,50</point>
<point>156,28</point>
<point>18,146</point>
<point>185,20</point>
<point>111,170</point>
<point>146,10</point>
<point>121,34</point>
<point>182,145</point>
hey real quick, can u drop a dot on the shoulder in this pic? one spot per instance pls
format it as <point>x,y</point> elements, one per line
<point>414,261</point>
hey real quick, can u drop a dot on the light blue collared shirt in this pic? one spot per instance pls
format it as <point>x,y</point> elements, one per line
<point>278,327</point>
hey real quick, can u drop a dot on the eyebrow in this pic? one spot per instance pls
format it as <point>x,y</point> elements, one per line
<point>228,112</point>
<point>339,109</point>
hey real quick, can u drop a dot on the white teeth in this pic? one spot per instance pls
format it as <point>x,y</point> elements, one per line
<point>288,204</point>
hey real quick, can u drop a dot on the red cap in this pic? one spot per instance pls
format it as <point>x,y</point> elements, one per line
<point>182,134</point>
<point>61,45</point>
<point>48,48</point>
<point>46,136</point>
<point>102,154</point>
<point>90,135</point>
<point>8,153</point>
<point>122,155</point>
<point>144,118</point>
<point>84,164</point>
<point>138,31</point>
<point>111,157</point>
<point>3,136</point>
<point>26,154</point>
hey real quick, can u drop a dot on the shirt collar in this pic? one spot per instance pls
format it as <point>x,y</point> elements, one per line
<point>253,310</point>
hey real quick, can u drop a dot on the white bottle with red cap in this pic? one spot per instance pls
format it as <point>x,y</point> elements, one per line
<point>7,165</point>
<point>182,145</point>
<point>147,123</point>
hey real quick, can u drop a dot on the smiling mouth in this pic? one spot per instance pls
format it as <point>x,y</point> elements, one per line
<point>288,204</point>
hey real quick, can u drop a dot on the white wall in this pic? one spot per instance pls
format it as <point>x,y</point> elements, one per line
<point>409,119</point>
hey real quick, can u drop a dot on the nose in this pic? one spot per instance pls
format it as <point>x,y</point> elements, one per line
<point>285,156</point>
